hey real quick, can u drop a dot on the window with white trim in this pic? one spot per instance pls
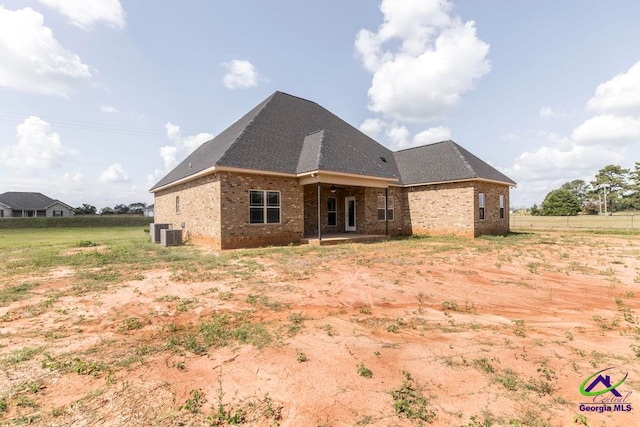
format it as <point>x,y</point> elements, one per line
<point>177,204</point>
<point>390,211</point>
<point>264,207</point>
<point>57,212</point>
<point>501,206</point>
<point>332,211</point>
<point>481,205</point>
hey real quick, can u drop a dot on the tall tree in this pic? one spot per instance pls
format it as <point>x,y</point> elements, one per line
<point>85,209</point>
<point>561,202</point>
<point>578,187</point>
<point>121,209</point>
<point>614,180</point>
<point>137,208</point>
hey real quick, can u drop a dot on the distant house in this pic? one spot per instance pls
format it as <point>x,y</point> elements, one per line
<point>16,204</point>
<point>148,211</point>
<point>289,168</point>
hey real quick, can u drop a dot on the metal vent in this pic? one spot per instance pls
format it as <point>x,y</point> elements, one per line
<point>171,237</point>
<point>154,230</point>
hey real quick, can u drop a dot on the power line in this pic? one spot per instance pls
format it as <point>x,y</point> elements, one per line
<point>7,116</point>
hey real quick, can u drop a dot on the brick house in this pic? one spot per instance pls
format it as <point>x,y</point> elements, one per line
<point>17,204</point>
<point>289,168</point>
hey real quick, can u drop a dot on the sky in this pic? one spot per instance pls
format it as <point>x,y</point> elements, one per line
<point>99,99</point>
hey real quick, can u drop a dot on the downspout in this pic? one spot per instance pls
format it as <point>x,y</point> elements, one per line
<point>319,223</point>
<point>386,211</point>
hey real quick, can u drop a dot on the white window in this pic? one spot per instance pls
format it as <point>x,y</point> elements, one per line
<point>332,211</point>
<point>481,205</point>
<point>264,207</point>
<point>389,211</point>
<point>501,206</point>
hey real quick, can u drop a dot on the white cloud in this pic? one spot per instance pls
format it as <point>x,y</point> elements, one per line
<point>398,137</point>
<point>38,148</point>
<point>182,145</point>
<point>241,74</point>
<point>109,109</point>
<point>114,173</point>
<point>431,135</point>
<point>73,180</point>
<point>621,94</point>
<point>86,13</point>
<point>608,130</point>
<point>32,60</point>
<point>422,59</point>
<point>549,112</point>
<point>372,127</point>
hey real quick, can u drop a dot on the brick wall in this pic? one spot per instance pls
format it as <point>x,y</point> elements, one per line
<point>492,223</point>
<point>440,209</point>
<point>237,232</point>
<point>375,226</point>
<point>199,209</point>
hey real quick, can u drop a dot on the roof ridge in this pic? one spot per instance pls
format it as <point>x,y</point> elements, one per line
<point>425,145</point>
<point>464,158</point>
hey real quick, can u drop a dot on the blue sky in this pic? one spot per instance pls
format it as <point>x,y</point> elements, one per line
<point>100,98</point>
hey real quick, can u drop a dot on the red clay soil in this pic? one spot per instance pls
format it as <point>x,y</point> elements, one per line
<point>488,333</point>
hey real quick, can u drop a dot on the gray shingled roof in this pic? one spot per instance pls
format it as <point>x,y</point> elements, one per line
<point>442,162</point>
<point>26,201</point>
<point>288,134</point>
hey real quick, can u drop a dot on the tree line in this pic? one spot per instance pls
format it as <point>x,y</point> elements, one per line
<point>613,189</point>
<point>120,209</point>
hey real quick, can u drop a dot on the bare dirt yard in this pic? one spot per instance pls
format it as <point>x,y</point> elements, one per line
<point>102,328</point>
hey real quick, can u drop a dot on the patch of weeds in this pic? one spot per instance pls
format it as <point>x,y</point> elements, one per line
<point>636,350</point>
<point>265,301</point>
<point>4,404</point>
<point>168,298</point>
<point>19,356</point>
<point>223,416</point>
<point>486,421</point>
<point>77,365</point>
<point>296,323</point>
<point>393,328</point>
<point>363,309</point>
<point>86,244</point>
<point>604,324</point>
<point>195,402</point>
<point>508,380</point>
<point>484,365</point>
<point>450,305</point>
<point>130,324</point>
<point>186,304</point>
<point>219,331</point>
<point>16,293</point>
<point>301,357</point>
<point>363,371</point>
<point>409,402</point>
<point>518,328</point>
<point>24,401</point>
<point>568,335</point>
<point>328,329</point>
<point>225,296</point>
<point>533,267</point>
<point>581,419</point>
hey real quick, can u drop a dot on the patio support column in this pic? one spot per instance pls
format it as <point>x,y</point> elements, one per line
<point>386,211</point>
<point>319,222</point>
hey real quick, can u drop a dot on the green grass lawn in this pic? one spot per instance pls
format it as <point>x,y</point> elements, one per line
<point>588,222</point>
<point>69,237</point>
